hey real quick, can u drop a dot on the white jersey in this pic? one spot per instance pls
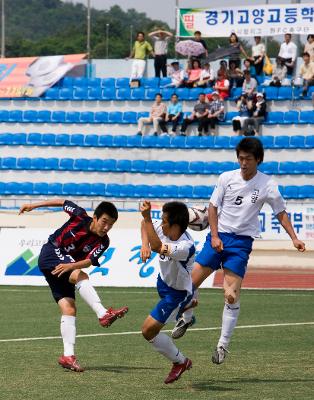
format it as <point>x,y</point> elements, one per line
<point>176,263</point>
<point>239,201</point>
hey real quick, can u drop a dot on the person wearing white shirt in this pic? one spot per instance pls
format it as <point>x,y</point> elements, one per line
<point>233,219</point>
<point>176,252</point>
<point>288,51</point>
<point>258,54</point>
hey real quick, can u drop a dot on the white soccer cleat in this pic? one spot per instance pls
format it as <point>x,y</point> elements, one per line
<point>219,355</point>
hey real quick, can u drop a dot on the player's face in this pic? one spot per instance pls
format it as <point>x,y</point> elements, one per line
<point>103,224</point>
<point>248,164</point>
<point>166,229</point>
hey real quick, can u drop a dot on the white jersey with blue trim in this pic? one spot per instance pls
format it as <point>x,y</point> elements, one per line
<point>176,260</point>
<point>239,201</point>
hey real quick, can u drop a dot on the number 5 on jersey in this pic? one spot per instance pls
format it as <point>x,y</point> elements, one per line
<point>238,201</point>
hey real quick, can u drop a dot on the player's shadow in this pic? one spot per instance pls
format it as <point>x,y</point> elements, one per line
<point>208,386</point>
<point>119,369</point>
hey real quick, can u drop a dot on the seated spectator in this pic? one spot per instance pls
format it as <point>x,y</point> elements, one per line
<point>207,76</point>
<point>247,66</point>
<point>194,74</point>
<point>222,86</point>
<point>258,110</point>
<point>279,73</point>
<point>309,47</point>
<point>216,111</point>
<point>288,51</point>
<point>249,85</point>
<point>235,75</point>
<point>244,113</point>
<point>174,111</point>
<point>158,112</point>
<point>199,114</point>
<point>258,54</point>
<point>176,73</point>
<point>223,68</point>
<point>307,73</point>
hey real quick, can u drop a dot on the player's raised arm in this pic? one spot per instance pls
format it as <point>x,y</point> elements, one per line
<point>153,239</point>
<point>48,203</point>
<point>286,223</point>
<point>145,248</point>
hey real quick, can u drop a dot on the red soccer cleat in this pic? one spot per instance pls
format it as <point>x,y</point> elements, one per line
<point>177,370</point>
<point>70,362</point>
<point>111,315</point>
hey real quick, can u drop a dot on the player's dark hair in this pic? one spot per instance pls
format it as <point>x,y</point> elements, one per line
<point>252,146</point>
<point>158,94</point>
<point>310,37</point>
<point>177,214</point>
<point>306,54</point>
<point>105,207</point>
<point>140,33</point>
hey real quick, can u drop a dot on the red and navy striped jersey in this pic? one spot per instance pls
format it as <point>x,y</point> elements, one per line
<point>75,237</point>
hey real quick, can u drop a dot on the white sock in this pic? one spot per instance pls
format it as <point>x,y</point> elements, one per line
<point>68,333</point>
<point>187,315</point>
<point>229,321</point>
<point>165,346</point>
<point>89,294</point>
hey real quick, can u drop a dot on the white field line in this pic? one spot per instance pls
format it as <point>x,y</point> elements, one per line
<point>139,332</point>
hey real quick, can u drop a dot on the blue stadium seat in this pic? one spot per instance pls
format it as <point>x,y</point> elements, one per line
<point>30,116</point>
<point>152,167</point>
<point>18,139</point>
<point>80,82</point>
<point>15,116</point>
<point>306,117</point>
<point>134,141</point>
<point>52,164</point>
<point>311,167</point>
<point>119,141</point>
<point>112,190</point>
<point>268,141</point>
<point>207,142</point>
<point>225,166</point>
<point>62,139</point>
<point>97,189</point>
<point>155,191</point>
<point>211,167</point>
<point>297,142</point>
<point>282,142</point>
<point>150,94</point>
<point>101,117</point>
<point>149,141</point>
<point>108,82</point>
<point>302,167</point>
<point>105,141</point>
<point>87,117</point>
<point>48,139</point>
<point>44,116</point>
<point>123,94</point>
<point>11,188</point>
<point>40,188</point>
<point>271,92</point>
<point>286,168</point>
<point>122,83</point>
<point>91,141</point>
<point>306,192</point>
<point>291,117</point>
<point>285,93</point>
<point>235,93</point>
<point>181,167</point>
<point>66,164</point>
<point>185,192</point>
<point>94,82</point>
<point>96,93</point>
<point>177,142</point>
<point>127,191</point>
<point>108,93</point>
<point>309,142</point>
<point>194,93</point>
<point>95,164</point>
<point>67,81</point>
<point>77,139</point>
<point>274,117</point>
<point>80,93</point>
<point>229,115</point>
<point>143,114</point>
<point>138,94</point>
<point>34,139</point>
<point>25,188</point>
<point>80,164</point>
<point>129,117</point>
<point>109,165</point>
<point>69,189</point>
<point>182,93</point>
<point>83,189</point>
<point>269,167</point>
<point>167,93</point>
<point>51,94</point>
<point>163,142</point>
<point>196,167</point>
<point>123,165</point>
<point>6,139</point>
<point>55,189</point>
<point>166,167</point>
<point>4,116</point>
<point>150,83</point>
<point>170,191</point>
<point>164,81</point>
<point>141,191</point>
<point>115,117</point>
<point>202,192</point>
<point>221,142</point>
<point>58,116</point>
<point>65,94</point>
<point>23,163</point>
<point>138,166</point>
<point>193,142</point>
<point>72,117</point>
<point>38,163</point>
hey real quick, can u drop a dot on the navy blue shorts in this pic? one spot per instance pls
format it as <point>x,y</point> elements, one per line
<point>234,256</point>
<point>49,258</point>
<point>172,302</point>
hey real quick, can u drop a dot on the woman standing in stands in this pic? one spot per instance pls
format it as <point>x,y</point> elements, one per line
<point>235,57</point>
<point>258,54</point>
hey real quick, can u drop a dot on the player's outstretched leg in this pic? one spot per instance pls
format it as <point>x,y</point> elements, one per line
<point>186,320</point>
<point>89,294</point>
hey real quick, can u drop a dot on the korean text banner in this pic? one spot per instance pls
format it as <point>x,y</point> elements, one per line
<point>32,76</point>
<point>259,20</point>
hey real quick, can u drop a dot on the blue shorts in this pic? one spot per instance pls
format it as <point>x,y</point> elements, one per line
<point>234,256</point>
<point>172,302</point>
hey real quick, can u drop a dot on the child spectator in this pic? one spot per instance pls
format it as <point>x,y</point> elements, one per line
<point>258,110</point>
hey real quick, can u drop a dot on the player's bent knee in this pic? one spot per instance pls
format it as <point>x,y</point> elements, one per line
<point>77,276</point>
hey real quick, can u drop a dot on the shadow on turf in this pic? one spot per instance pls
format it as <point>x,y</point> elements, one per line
<point>119,369</point>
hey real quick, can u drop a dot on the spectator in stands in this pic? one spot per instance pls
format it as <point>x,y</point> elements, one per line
<point>279,73</point>
<point>258,54</point>
<point>247,66</point>
<point>249,85</point>
<point>258,110</point>
<point>235,75</point>
<point>141,50</point>
<point>216,111</point>
<point>235,57</point>
<point>176,73</point>
<point>160,39</point>
<point>173,114</point>
<point>309,47</point>
<point>222,86</point>
<point>244,113</point>
<point>223,68</point>
<point>199,114</point>
<point>288,51</point>
<point>307,73</point>
<point>207,76</point>
<point>158,112</point>
<point>198,38</point>
<point>194,73</point>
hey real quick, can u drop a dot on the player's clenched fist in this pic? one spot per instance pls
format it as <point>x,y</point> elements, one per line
<point>145,209</point>
<point>26,207</point>
<point>217,244</point>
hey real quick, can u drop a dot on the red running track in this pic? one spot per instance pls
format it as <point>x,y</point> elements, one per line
<point>274,278</point>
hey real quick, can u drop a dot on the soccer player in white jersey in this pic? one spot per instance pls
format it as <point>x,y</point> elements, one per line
<point>233,218</point>
<point>176,256</point>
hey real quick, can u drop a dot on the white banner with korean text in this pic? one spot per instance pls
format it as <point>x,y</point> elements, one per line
<point>259,20</point>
